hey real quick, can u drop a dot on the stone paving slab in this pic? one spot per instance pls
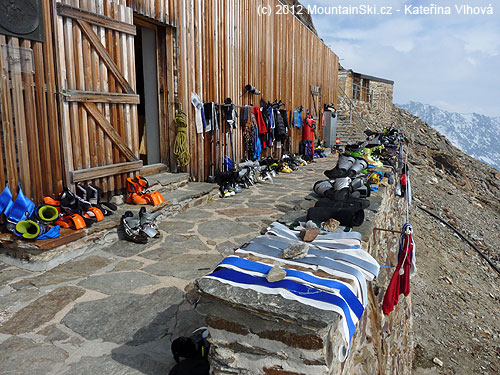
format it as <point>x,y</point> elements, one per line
<point>17,297</point>
<point>188,266</point>
<point>125,318</point>
<point>72,270</point>
<point>101,326</point>
<point>120,282</point>
<point>23,356</point>
<point>175,245</point>
<point>7,275</point>
<point>128,265</point>
<point>223,228</point>
<point>41,311</point>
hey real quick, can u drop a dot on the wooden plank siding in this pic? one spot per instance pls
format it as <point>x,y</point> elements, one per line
<point>277,54</point>
<point>76,115</point>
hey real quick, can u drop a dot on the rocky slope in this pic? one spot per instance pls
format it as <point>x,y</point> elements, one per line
<point>477,135</point>
<point>456,294</point>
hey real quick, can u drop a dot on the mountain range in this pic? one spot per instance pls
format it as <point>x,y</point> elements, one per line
<point>475,134</point>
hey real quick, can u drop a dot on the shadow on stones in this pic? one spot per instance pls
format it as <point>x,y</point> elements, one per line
<point>155,357</point>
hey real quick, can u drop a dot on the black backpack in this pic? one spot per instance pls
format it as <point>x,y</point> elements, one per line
<point>194,351</point>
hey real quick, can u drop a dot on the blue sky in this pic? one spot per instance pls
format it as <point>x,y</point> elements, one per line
<point>450,61</point>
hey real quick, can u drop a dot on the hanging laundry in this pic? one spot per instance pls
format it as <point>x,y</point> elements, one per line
<point>406,268</point>
<point>244,115</point>
<point>281,128</point>
<point>256,145</point>
<point>297,117</point>
<point>208,110</point>
<point>261,126</point>
<point>198,105</point>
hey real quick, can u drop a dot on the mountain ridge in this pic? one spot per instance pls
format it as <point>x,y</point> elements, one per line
<point>475,134</point>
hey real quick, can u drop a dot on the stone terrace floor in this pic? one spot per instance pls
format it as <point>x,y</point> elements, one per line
<point>116,309</point>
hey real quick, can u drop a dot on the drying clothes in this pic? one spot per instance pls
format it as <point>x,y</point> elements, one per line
<point>256,146</point>
<point>244,115</point>
<point>330,285</point>
<point>354,257</point>
<point>230,116</point>
<point>203,119</point>
<point>333,267</point>
<point>198,105</point>
<point>281,130</point>
<point>353,239</point>
<point>297,117</point>
<point>261,127</point>
<point>400,281</point>
<point>284,117</point>
<point>272,113</point>
<point>208,110</point>
<point>309,128</point>
<point>298,286</point>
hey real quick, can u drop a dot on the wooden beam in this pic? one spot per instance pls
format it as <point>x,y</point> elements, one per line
<point>109,130</point>
<point>104,55</point>
<point>100,97</point>
<point>95,19</point>
<point>105,171</point>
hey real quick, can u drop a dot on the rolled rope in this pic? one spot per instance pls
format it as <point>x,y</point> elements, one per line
<point>181,150</point>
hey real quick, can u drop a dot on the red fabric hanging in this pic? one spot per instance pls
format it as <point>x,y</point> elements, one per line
<point>400,284</point>
<point>260,120</point>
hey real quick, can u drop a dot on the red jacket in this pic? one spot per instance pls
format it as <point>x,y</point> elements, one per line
<point>400,284</point>
<point>260,120</point>
<point>308,129</point>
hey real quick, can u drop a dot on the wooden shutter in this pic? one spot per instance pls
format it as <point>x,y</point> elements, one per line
<point>96,61</point>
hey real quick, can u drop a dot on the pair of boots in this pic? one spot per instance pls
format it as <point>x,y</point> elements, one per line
<point>349,213</point>
<point>347,166</point>
<point>37,225</point>
<point>342,189</point>
<point>140,228</point>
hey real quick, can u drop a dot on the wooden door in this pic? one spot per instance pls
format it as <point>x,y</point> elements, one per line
<point>96,69</point>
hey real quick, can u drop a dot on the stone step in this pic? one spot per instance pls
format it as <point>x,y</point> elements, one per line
<point>166,181</point>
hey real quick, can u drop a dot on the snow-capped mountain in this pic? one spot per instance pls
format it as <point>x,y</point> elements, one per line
<point>475,134</point>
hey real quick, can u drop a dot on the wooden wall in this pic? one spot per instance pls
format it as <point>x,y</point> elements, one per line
<point>30,143</point>
<point>226,44</point>
<point>214,48</point>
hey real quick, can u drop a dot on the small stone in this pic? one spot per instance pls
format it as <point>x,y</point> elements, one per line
<point>117,199</point>
<point>309,234</point>
<point>437,361</point>
<point>310,224</point>
<point>331,224</point>
<point>295,251</point>
<point>275,274</point>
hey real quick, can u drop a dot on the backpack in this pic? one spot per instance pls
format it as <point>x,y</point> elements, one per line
<point>194,350</point>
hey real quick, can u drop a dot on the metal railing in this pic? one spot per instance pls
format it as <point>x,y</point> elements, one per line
<point>357,91</point>
<point>347,103</point>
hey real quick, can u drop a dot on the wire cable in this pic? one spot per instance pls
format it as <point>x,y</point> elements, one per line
<point>462,237</point>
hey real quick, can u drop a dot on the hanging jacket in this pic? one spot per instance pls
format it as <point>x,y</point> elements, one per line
<point>400,281</point>
<point>256,145</point>
<point>244,115</point>
<point>261,126</point>
<point>281,129</point>
<point>297,118</point>
<point>308,129</point>
<point>284,116</point>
